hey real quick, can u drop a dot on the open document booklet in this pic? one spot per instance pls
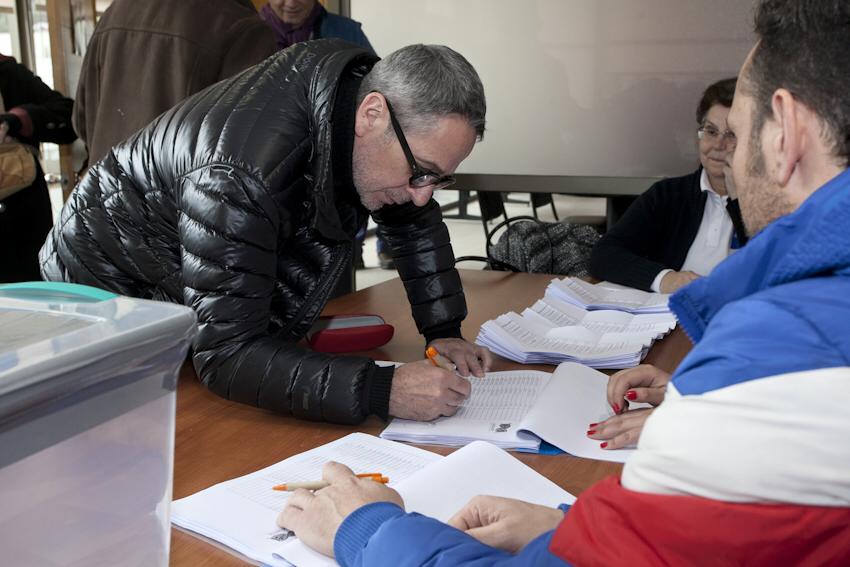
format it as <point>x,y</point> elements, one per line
<point>516,409</point>
<point>241,513</point>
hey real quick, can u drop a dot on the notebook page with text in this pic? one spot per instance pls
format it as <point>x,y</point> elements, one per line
<point>493,411</point>
<point>241,513</point>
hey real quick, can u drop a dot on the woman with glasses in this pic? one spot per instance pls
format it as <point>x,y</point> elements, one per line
<point>681,227</point>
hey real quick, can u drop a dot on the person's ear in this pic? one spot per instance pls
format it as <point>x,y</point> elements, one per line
<point>372,115</point>
<point>786,139</point>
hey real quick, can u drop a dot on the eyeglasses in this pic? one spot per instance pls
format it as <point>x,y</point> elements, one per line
<point>711,133</point>
<point>420,177</point>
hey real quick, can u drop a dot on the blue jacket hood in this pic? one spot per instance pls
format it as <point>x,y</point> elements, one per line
<point>812,241</point>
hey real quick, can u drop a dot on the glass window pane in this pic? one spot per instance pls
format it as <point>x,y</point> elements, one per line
<point>10,43</point>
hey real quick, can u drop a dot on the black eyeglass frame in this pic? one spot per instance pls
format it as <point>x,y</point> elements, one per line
<point>420,177</point>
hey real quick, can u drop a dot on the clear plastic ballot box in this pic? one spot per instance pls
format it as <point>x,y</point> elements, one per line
<point>87,402</point>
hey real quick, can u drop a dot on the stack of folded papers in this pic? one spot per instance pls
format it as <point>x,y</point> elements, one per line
<point>570,325</point>
<point>606,295</point>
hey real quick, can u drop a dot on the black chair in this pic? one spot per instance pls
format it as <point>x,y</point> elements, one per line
<point>492,205</point>
<point>541,200</point>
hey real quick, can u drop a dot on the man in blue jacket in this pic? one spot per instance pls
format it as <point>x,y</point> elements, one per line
<point>772,349</point>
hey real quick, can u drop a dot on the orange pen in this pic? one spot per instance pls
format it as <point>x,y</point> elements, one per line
<point>439,360</point>
<point>317,484</point>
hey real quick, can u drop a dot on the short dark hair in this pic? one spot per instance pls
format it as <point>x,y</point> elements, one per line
<point>722,92</point>
<point>803,46</point>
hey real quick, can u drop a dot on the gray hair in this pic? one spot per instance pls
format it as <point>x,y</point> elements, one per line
<point>427,82</point>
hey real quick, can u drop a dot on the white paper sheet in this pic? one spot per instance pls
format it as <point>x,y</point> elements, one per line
<point>241,513</point>
<point>237,515</point>
<point>564,404</point>
<point>497,404</point>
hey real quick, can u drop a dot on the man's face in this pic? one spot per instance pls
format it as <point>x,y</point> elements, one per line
<point>381,170</point>
<point>292,12</point>
<point>761,198</point>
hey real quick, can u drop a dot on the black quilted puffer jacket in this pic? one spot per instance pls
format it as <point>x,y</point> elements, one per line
<point>227,203</point>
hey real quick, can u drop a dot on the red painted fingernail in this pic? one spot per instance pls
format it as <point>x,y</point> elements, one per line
<point>592,425</point>
<point>616,408</point>
<point>631,395</point>
<point>603,445</point>
<point>591,432</point>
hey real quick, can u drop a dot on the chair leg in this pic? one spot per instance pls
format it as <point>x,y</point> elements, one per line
<point>554,210</point>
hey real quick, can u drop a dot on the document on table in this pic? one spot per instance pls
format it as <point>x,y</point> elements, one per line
<point>605,295</point>
<point>515,410</point>
<point>526,340</point>
<point>241,513</point>
<point>492,412</point>
<point>559,313</point>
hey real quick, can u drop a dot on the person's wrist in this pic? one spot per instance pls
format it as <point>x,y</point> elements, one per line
<point>659,278</point>
<point>358,527</point>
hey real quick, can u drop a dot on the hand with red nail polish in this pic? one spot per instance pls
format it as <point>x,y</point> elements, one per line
<point>644,383</point>
<point>621,430</point>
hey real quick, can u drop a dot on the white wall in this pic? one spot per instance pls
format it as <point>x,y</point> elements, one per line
<point>579,87</point>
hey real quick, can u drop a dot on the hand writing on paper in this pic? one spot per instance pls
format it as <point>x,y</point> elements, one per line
<point>466,356</point>
<point>674,280</point>
<point>422,391</point>
<point>315,517</point>
<point>505,523</point>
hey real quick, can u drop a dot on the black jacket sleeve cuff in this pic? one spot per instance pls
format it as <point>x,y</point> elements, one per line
<point>449,331</point>
<point>379,391</point>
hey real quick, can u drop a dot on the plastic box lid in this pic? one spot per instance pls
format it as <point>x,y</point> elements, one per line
<point>58,340</point>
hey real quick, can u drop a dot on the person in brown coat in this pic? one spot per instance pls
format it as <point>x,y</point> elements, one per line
<point>145,57</point>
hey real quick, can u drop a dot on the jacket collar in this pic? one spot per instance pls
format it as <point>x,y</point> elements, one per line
<point>813,240</point>
<point>322,94</point>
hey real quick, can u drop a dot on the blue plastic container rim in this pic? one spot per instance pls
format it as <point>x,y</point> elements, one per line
<point>55,292</point>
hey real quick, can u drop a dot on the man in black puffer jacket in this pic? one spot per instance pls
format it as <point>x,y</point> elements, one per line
<point>242,202</point>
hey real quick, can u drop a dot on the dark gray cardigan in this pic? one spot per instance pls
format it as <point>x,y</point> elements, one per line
<point>656,233</point>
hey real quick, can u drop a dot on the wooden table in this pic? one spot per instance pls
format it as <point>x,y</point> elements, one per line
<point>217,440</point>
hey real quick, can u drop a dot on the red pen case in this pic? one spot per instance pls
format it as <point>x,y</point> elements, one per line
<point>349,333</point>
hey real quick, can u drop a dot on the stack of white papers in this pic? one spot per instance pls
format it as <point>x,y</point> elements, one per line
<point>608,296</point>
<point>557,314</point>
<point>241,513</point>
<point>516,409</point>
<point>529,342</point>
<point>570,325</point>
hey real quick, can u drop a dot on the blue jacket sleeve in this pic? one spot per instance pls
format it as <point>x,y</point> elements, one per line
<point>382,534</point>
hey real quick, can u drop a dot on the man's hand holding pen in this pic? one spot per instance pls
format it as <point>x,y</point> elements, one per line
<point>466,357</point>
<point>422,391</point>
<point>435,387</point>
<point>315,517</point>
